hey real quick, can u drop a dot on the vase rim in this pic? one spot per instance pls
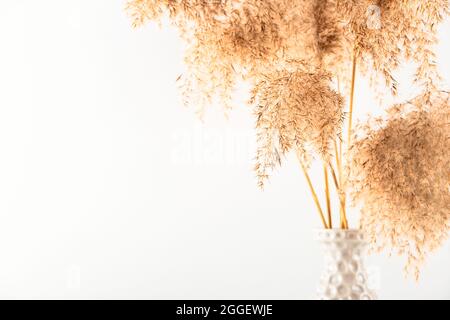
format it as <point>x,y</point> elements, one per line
<point>337,234</point>
<point>338,229</point>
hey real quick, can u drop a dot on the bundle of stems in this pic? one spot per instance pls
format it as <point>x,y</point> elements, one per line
<point>328,167</point>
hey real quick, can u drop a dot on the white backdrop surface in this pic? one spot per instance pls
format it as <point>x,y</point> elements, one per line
<point>109,188</point>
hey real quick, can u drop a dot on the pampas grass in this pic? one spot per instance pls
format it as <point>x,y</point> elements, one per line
<point>399,170</point>
<point>293,53</point>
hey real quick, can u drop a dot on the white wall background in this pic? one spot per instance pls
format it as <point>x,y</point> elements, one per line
<point>110,189</point>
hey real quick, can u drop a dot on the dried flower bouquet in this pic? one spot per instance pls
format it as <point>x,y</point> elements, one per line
<point>299,56</point>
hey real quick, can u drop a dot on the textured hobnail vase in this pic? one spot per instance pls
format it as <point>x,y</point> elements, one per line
<point>344,275</point>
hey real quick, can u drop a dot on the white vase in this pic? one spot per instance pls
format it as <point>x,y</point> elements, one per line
<point>344,275</point>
